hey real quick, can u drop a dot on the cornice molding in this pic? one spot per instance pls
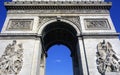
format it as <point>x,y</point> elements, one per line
<point>37,35</point>
<point>100,34</point>
<point>56,5</point>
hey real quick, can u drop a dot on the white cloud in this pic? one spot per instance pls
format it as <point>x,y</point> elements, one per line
<point>58,60</point>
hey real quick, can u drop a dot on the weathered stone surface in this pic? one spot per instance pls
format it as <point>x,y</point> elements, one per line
<point>55,11</point>
<point>36,25</point>
<point>91,50</point>
<point>20,24</point>
<point>11,61</point>
<point>112,73</point>
<point>97,24</point>
<point>107,59</point>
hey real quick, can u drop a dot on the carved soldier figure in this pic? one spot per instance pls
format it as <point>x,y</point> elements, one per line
<point>11,61</point>
<point>107,60</point>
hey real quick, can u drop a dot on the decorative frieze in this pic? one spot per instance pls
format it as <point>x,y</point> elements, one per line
<point>20,5</point>
<point>73,19</point>
<point>98,24</point>
<point>107,59</point>
<point>45,19</point>
<point>12,59</point>
<point>59,11</point>
<point>20,24</point>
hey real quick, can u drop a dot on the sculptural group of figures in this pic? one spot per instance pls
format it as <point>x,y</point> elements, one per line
<point>11,61</point>
<point>107,60</point>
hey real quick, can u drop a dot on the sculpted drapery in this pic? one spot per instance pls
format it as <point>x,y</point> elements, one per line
<point>107,59</point>
<point>11,61</point>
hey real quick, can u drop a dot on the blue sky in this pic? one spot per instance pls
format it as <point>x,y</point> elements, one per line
<point>59,61</point>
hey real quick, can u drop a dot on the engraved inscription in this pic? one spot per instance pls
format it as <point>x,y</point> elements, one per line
<point>20,24</point>
<point>12,59</point>
<point>107,59</point>
<point>97,24</point>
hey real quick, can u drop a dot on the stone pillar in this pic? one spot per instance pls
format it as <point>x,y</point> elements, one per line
<point>82,60</point>
<point>36,58</point>
<point>43,64</point>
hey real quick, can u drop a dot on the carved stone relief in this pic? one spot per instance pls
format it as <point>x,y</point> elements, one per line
<point>107,59</point>
<point>81,11</point>
<point>43,20</point>
<point>12,59</point>
<point>20,24</point>
<point>97,24</point>
<point>73,19</point>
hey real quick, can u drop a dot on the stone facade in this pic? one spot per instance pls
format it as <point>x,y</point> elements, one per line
<point>32,27</point>
<point>12,59</point>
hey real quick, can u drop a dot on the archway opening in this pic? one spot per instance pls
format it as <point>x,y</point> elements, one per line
<point>62,33</point>
<point>59,61</point>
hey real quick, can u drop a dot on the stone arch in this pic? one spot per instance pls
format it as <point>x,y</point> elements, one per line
<point>41,28</point>
<point>57,31</point>
<point>62,32</point>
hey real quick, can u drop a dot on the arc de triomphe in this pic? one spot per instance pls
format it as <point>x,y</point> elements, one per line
<point>33,26</point>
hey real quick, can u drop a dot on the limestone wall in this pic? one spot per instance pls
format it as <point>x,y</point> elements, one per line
<point>91,50</point>
<point>19,56</point>
<point>20,24</point>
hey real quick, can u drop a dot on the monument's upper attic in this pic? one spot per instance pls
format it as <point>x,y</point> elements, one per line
<point>58,0</point>
<point>58,5</point>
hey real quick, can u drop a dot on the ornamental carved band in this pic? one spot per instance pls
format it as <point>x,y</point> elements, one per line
<point>20,24</point>
<point>73,19</point>
<point>12,60</point>
<point>98,24</point>
<point>107,60</point>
